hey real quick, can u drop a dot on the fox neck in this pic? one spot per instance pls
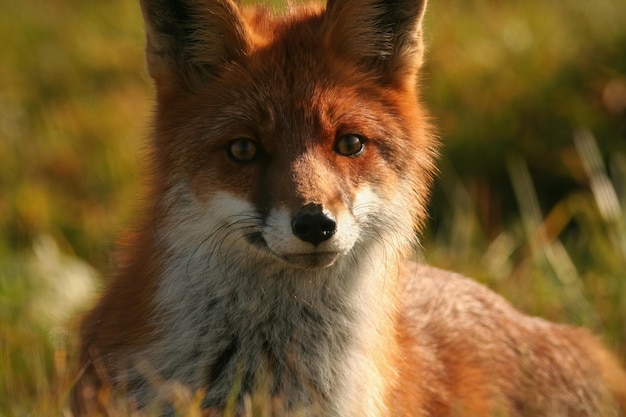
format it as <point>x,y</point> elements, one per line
<point>300,334</point>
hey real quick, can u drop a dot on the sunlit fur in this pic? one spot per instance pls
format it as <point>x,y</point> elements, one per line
<point>216,291</point>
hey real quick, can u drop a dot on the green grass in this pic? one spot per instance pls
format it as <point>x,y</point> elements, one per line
<point>512,85</point>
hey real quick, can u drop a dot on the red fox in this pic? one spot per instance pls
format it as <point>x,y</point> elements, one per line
<point>291,162</point>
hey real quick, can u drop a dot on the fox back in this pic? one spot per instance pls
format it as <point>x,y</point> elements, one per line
<point>291,162</point>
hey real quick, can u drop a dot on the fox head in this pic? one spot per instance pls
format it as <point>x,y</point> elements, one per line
<point>297,139</point>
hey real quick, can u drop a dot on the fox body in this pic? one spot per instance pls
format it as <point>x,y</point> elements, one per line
<point>291,166</point>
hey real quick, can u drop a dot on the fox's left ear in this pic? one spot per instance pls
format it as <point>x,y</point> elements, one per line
<point>385,35</point>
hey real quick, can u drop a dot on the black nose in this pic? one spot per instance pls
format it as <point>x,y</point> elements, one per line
<point>313,225</point>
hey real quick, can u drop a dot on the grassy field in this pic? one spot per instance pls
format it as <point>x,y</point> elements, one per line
<point>530,98</point>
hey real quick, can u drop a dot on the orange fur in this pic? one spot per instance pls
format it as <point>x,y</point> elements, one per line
<point>291,167</point>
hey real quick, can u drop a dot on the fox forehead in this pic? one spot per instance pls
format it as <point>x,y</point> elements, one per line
<point>296,115</point>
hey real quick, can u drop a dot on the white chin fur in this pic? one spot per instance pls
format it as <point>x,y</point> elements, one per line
<point>311,260</point>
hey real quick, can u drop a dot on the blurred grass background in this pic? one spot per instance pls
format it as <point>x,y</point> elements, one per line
<point>529,97</point>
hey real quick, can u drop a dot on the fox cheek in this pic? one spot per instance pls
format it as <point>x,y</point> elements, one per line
<point>219,175</point>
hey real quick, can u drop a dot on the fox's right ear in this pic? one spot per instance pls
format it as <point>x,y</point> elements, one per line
<point>189,41</point>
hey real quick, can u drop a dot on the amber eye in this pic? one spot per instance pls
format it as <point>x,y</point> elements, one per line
<point>349,145</point>
<point>242,149</point>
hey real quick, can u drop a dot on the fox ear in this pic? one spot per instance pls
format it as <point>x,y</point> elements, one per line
<point>382,34</point>
<point>188,41</point>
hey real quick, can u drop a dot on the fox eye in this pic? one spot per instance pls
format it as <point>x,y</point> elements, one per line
<point>242,149</point>
<point>349,145</point>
